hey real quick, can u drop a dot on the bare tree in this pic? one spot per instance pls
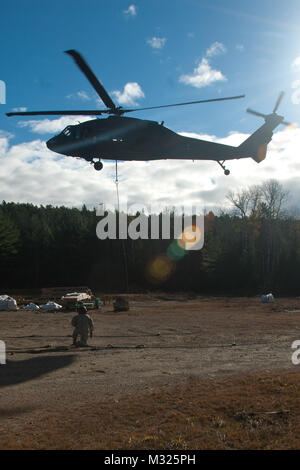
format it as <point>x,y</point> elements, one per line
<point>255,195</point>
<point>240,200</point>
<point>273,198</point>
<point>268,198</point>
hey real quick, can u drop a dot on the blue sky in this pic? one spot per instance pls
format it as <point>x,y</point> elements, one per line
<point>165,51</point>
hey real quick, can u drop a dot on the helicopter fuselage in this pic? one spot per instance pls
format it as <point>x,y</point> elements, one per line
<point>123,138</point>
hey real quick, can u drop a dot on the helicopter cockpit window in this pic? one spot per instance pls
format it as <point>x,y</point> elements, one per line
<point>67,131</point>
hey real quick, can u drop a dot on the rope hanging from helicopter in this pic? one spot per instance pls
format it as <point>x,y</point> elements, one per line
<point>117,187</point>
<point>122,241</point>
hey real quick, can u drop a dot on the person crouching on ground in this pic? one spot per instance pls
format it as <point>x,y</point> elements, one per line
<point>83,325</point>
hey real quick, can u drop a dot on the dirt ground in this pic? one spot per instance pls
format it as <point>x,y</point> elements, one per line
<point>163,344</point>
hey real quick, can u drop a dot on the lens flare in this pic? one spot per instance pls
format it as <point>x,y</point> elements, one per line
<point>160,269</point>
<point>175,251</point>
<point>191,235</point>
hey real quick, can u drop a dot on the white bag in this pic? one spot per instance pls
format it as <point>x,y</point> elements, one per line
<point>51,306</point>
<point>32,307</point>
<point>8,303</point>
<point>267,298</point>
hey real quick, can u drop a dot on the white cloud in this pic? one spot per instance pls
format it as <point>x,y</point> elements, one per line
<point>82,95</point>
<point>296,94</point>
<point>131,11</point>
<point>194,135</point>
<point>19,110</point>
<point>32,173</point>
<point>156,43</point>
<point>131,92</point>
<point>215,49</point>
<point>240,47</point>
<point>295,98</point>
<point>5,135</point>
<point>203,75</point>
<point>296,63</point>
<point>4,141</point>
<point>51,126</point>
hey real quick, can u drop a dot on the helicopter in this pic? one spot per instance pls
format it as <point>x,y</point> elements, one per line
<point>131,139</point>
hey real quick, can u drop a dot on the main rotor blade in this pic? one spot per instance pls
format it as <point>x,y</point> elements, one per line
<point>118,111</point>
<point>183,104</point>
<point>281,94</point>
<point>92,112</point>
<point>84,67</point>
<point>256,113</point>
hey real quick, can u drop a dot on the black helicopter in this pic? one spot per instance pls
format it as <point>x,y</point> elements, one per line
<point>123,138</point>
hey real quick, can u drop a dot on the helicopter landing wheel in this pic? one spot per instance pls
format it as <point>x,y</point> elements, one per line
<point>226,172</point>
<point>98,166</point>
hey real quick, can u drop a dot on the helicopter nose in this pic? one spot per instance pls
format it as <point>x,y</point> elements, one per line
<point>56,144</point>
<point>50,144</point>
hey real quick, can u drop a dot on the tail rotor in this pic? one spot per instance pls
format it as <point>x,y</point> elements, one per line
<point>281,95</point>
<point>274,113</point>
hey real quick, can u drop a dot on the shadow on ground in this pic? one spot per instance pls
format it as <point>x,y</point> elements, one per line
<point>15,372</point>
<point>12,412</point>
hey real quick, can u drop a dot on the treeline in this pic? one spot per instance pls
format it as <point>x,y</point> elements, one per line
<point>252,248</point>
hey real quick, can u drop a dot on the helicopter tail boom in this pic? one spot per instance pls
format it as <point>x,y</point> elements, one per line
<point>256,145</point>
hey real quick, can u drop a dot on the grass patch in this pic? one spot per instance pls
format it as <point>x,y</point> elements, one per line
<point>256,411</point>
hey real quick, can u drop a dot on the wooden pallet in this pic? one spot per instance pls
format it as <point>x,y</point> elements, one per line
<point>61,291</point>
